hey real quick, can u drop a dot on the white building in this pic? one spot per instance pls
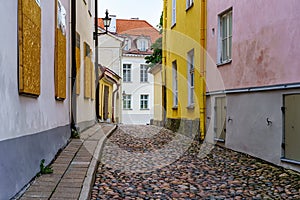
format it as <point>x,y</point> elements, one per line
<point>35,106</point>
<point>137,84</point>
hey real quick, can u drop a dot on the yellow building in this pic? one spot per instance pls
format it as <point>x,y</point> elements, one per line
<point>109,84</point>
<point>184,25</point>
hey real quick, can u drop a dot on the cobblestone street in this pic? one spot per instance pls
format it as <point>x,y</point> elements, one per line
<point>148,162</point>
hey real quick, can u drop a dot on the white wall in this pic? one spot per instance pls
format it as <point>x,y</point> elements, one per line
<point>20,115</point>
<point>85,27</point>
<point>136,88</point>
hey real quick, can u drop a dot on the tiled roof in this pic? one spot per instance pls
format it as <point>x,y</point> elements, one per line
<point>134,27</point>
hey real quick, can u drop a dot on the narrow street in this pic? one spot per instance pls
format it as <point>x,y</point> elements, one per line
<point>148,162</point>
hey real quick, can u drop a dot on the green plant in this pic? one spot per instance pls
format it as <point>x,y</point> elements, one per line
<point>75,133</point>
<point>45,169</point>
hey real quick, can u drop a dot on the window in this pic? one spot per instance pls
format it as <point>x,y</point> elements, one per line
<point>189,3</point>
<point>142,44</point>
<point>190,62</point>
<point>90,7</point>
<point>127,101</point>
<point>126,72</point>
<point>175,84</point>
<point>127,44</point>
<point>144,73</point>
<point>225,36</point>
<point>173,12</point>
<point>144,101</point>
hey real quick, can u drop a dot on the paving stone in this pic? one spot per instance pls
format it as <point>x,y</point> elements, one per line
<point>149,162</point>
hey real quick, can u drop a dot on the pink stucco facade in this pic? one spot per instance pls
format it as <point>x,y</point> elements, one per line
<point>265,44</point>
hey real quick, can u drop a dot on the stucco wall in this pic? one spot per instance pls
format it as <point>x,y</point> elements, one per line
<point>248,130</point>
<point>31,129</point>
<point>264,47</point>
<point>22,115</point>
<point>85,27</point>
<point>136,88</point>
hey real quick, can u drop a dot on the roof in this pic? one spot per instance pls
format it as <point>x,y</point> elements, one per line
<point>134,27</point>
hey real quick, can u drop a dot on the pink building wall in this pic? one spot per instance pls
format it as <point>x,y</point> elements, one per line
<point>265,43</point>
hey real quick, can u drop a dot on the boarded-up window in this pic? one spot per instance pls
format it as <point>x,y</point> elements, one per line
<point>78,63</point>
<point>29,35</point>
<point>87,71</point>
<point>60,52</point>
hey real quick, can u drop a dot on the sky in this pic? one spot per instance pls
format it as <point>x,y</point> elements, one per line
<point>149,10</point>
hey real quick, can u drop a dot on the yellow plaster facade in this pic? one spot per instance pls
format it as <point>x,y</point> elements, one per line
<point>181,38</point>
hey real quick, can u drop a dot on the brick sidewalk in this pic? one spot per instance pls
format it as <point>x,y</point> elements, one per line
<point>73,169</point>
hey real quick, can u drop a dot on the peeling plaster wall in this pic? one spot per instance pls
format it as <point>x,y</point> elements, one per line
<point>264,42</point>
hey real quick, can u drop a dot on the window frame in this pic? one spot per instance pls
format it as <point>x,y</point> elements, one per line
<point>144,101</point>
<point>225,37</point>
<point>143,73</point>
<point>173,19</point>
<point>128,99</point>
<point>127,72</point>
<point>175,84</point>
<point>189,4</point>
<point>191,77</point>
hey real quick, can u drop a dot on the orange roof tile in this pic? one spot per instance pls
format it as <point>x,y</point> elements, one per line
<point>134,27</point>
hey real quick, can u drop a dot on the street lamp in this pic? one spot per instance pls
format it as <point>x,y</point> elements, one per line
<point>106,22</point>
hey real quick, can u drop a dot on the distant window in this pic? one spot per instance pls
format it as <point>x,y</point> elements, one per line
<point>142,44</point>
<point>225,37</point>
<point>144,101</point>
<point>144,73</point>
<point>191,72</point>
<point>127,101</point>
<point>189,3</point>
<point>126,72</point>
<point>126,44</point>
<point>175,84</point>
<point>173,12</point>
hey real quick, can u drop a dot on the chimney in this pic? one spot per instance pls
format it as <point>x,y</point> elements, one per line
<point>113,24</point>
<point>135,18</point>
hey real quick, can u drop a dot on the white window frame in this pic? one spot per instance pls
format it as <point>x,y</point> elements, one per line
<point>126,72</point>
<point>189,3</point>
<point>191,77</point>
<point>142,44</point>
<point>127,102</point>
<point>175,84</point>
<point>173,12</point>
<point>144,101</point>
<point>143,73</point>
<point>225,37</point>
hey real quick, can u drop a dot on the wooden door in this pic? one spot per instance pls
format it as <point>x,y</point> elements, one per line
<point>105,105</point>
<point>220,119</point>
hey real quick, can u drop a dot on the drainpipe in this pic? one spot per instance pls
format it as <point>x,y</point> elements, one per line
<point>113,101</point>
<point>73,64</point>
<point>96,61</point>
<point>202,69</point>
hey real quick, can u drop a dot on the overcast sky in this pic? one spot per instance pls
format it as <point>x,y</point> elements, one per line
<point>149,10</point>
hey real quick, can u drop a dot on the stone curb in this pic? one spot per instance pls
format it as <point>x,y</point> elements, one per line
<point>89,179</point>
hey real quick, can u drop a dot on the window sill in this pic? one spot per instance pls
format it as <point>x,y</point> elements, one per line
<point>175,108</point>
<point>188,8</point>
<point>191,107</point>
<point>127,81</point>
<point>173,25</point>
<point>127,108</point>
<point>224,63</point>
<point>144,109</point>
<point>144,81</point>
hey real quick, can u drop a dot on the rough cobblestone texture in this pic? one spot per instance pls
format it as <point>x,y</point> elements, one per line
<point>144,162</point>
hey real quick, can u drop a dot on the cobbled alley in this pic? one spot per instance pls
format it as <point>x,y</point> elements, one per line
<point>148,162</point>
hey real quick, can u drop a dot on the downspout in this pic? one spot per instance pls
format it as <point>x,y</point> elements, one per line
<point>203,69</point>
<point>96,61</point>
<point>73,64</point>
<point>113,102</point>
